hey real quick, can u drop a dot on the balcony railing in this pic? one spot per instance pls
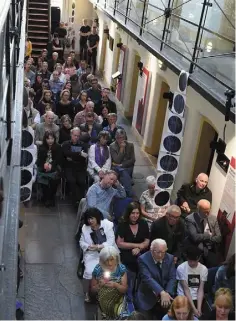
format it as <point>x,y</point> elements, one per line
<point>198,36</point>
<point>12,48</point>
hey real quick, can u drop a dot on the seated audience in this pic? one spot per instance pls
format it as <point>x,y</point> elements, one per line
<point>97,233</point>
<point>225,276</point>
<point>157,280</point>
<point>38,81</point>
<point>132,240</point>
<point>49,163</point>
<point>171,229</point>
<point>94,92</point>
<point>123,159</point>
<point>75,62</point>
<point>48,125</point>
<point>39,64</point>
<point>190,194</point>
<point>99,158</point>
<point>65,129</point>
<point>191,276</point>
<point>75,154</point>
<point>32,114</point>
<point>202,230</point>
<point>56,85</point>
<point>86,78</point>
<point>109,282</point>
<point>150,211</point>
<point>112,126</point>
<point>82,68</point>
<point>45,101</point>
<point>64,105</point>
<point>111,106</point>
<point>39,93</point>
<point>80,104</point>
<point>29,74</point>
<point>100,195</point>
<point>52,62</point>
<point>44,54</point>
<point>91,127</point>
<point>49,108</point>
<point>61,75</point>
<point>70,66</point>
<point>223,306</point>
<point>103,118</point>
<point>80,117</point>
<point>45,73</point>
<point>180,310</point>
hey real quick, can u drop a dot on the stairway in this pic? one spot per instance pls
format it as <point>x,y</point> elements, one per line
<point>38,25</point>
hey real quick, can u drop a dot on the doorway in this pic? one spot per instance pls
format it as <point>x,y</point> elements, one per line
<point>205,154</point>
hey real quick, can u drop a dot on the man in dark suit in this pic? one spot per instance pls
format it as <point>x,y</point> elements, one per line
<point>91,128</point>
<point>123,159</point>
<point>158,280</point>
<point>171,229</point>
<point>202,230</point>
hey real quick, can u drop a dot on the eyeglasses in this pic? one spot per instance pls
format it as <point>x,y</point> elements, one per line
<point>159,252</point>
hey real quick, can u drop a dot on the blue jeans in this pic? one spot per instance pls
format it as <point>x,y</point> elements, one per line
<point>131,276</point>
<point>125,177</point>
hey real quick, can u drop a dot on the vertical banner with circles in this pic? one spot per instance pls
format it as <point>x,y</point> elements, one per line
<point>171,143</point>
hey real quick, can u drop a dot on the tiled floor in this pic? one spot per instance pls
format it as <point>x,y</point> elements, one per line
<point>50,288</point>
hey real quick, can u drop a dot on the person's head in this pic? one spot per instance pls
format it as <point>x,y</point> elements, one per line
<point>204,208</point>
<point>49,117</point>
<point>83,64</point>
<point>75,134</point>
<point>109,179</point>
<point>90,118</point>
<point>105,111</point>
<point>47,95</point>
<point>83,96</point>
<point>173,213</point>
<point>90,78</point>
<point>48,107</point>
<point>112,118</point>
<point>56,36</point>
<point>109,258</point>
<point>72,54</point>
<point>193,255</point>
<point>69,61</point>
<point>151,183</point>
<point>44,53</point>
<point>45,84</point>
<point>120,136</point>
<point>94,29</point>
<point>44,66</point>
<point>94,83</point>
<point>68,85</point>
<point>89,106</point>
<point>27,65</point>
<point>158,249</point>
<point>201,181</point>
<point>31,60</point>
<point>132,213</point>
<point>88,71</point>
<point>49,138</point>
<point>66,121</point>
<point>105,93</point>
<point>93,217</point>
<point>55,75</point>
<point>181,309</point>
<point>39,78</point>
<point>223,303</point>
<point>65,95</point>
<point>54,56</point>
<point>103,137</point>
<point>26,82</point>
<point>58,68</point>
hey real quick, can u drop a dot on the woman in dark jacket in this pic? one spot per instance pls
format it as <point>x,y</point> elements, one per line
<point>65,129</point>
<point>49,163</point>
<point>46,100</point>
<point>65,106</point>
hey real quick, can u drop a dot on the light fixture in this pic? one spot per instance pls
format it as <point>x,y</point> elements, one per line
<point>161,65</point>
<point>140,67</point>
<point>209,46</point>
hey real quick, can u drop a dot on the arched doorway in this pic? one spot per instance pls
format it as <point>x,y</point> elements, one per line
<point>204,153</point>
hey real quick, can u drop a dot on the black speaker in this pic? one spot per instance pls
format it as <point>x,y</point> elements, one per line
<point>55,14</point>
<point>219,146</point>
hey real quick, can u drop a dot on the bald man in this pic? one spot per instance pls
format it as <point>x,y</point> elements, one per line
<point>189,194</point>
<point>202,230</point>
<point>48,125</point>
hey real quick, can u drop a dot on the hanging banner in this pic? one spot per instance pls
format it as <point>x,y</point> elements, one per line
<point>226,212</point>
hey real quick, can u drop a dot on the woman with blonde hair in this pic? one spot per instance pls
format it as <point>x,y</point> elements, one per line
<point>180,310</point>
<point>223,306</point>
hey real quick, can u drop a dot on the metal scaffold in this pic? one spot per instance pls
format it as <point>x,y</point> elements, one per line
<point>12,50</point>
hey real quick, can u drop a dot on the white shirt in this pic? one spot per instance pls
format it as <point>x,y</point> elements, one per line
<point>93,167</point>
<point>192,276</point>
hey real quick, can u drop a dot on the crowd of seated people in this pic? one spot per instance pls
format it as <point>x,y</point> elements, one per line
<point>157,258</point>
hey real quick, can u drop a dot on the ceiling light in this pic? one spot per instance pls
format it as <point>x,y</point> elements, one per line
<point>209,46</point>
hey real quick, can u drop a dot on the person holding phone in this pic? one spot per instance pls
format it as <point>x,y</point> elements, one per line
<point>75,155</point>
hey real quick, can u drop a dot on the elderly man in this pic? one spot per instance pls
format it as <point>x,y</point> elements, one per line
<point>101,194</point>
<point>52,62</point>
<point>61,76</point>
<point>158,280</point>
<point>123,159</point>
<point>189,194</point>
<point>111,105</point>
<point>202,230</point>
<point>171,229</point>
<point>75,154</point>
<point>80,117</point>
<point>47,125</point>
<point>91,128</point>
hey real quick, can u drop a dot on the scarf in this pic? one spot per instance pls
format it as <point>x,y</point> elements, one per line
<point>101,158</point>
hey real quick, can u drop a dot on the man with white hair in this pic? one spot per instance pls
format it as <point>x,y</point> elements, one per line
<point>52,62</point>
<point>158,280</point>
<point>171,229</point>
<point>203,231</point>
<point>80,117</point>
<point>47,125</point>
<point>189,194</point>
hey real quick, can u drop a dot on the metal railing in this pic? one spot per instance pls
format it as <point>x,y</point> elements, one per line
<point>184,34</point>
<point>12,50</point>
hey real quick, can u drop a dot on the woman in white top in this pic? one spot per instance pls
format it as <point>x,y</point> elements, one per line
<point>97,233</point>
<point>99,157</point>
